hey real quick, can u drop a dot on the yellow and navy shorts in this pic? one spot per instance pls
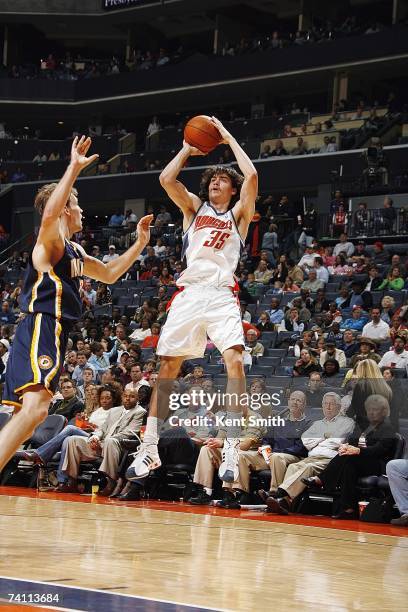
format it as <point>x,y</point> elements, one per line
<point>36,356</point>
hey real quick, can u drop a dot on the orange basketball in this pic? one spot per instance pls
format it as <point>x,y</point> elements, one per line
<point>201,133</point>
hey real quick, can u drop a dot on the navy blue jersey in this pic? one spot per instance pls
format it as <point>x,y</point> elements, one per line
<point>55,292</point>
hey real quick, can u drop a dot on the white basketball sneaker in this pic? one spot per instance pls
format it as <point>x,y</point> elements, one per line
<point>228,470</point>
<point>146,459</point>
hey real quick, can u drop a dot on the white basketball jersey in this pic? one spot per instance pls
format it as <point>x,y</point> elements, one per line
<point>212,247</point>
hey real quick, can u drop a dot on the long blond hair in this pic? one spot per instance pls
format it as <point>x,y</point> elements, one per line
<point>374,383</point>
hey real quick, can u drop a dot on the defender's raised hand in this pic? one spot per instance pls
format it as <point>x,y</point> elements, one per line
<point>143,229</point>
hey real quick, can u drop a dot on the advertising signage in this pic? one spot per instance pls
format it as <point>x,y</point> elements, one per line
<point>109,5</point>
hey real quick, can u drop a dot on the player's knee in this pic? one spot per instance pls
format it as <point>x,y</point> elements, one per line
<point>169,368</point>
<point>35,413</point>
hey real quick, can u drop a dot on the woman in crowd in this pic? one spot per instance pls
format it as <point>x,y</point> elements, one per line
<point>306,364</point>
<point>291,322</point>
<point>340,265</point>
<point>366,454</point>
<point>394,280</point>
<point>151,341</point>
<point>331,368</point>
<point>370,382</point>
<point>166,278</point>
<point>387,308</point>
<point>290,286</point>
<point>91,399</point>
<point>142,332</point>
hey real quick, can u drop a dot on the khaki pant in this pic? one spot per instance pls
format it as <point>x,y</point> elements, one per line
<point>79,450</point>
<point>311,466</point>
<point>209,460</point>
<point>278,465</point>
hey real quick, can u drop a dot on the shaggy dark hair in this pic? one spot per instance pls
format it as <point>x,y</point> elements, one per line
<point>236,180</point>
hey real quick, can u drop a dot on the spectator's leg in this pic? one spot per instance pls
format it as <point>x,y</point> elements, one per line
<point>77,450</point>
<point>278,464</point>
<point>208,460</point>
<point>311,466</point>
<point>111,453</point>
<point>48,450</point>
<point>247,461</point>
<point>397,472</point>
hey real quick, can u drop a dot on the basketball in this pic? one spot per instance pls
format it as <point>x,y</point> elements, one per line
<point>201,133</point>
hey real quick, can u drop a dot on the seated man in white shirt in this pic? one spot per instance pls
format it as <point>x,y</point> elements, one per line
<point>397,357</point>
<point>142,332</point>
<point>376,329</point>
<point>331,352</point>
<point>343,247</point>
<point>322,273</point>
<point>112,254</point>
<point>308,259</point>
<point>137,379</point>
<point>322,441</point>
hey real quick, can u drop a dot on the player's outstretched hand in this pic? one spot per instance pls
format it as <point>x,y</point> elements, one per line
<point>225,134</point>
<point>143,229</point>
<point>79,149</point>
<point>192,150</point>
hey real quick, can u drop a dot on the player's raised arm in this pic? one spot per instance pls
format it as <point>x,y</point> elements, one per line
<point>245,208</point>
<point>50,218</point>
<point>177,192</point>
<point>110,272</point>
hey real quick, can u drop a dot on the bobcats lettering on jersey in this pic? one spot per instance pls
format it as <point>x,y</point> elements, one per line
<point>204,221</point>
<point>212,246</point>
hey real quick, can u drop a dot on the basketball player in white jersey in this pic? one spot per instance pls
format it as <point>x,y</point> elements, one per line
<point>215,226</point>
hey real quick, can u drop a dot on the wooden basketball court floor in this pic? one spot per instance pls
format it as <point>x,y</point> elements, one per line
<point>86,553</point>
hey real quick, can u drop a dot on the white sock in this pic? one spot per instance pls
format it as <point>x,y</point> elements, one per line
<point>153,426</point>
<point>208,491</point>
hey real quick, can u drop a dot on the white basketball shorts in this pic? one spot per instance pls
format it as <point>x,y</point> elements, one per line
<point>196,312</point>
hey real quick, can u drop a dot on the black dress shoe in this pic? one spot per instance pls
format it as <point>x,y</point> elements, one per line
<point>311,483</point>
<point>278,505</point>
<point>201,499</point>
<point>229,501</point>
<point>346,515</point>
<point>132,494</point>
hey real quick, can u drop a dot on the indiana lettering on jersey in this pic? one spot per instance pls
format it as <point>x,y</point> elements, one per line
<point>206,221</point>
<point>77,268</point>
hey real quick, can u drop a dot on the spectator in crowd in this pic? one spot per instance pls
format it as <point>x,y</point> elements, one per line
<point>376,329</point>
<point>340,266</point>
<point>295,272</point>
<point>308,258</point>
<point>365,454</point>
<point>123,422</point>
<point>103,295</point>
<point>151,341</point>
<point>331,368</point>
<point>359,297</point>
<point>387,308</point>
<point>209,460</point>
<point>357,320</point>
<point>397,357</point>
<point>322,440</point>
<point>107,397</point>
<point>370,381</point>
<point>301,147</point>
<point>266,152</point>
<point>313,283</point>
<point>88,379</point>
<point>367,350</point>
<point>332,352</point>
<point>252,345</point>
<point>142,332</point>
<point>163,217</point>
<point>315,390</point>
<point>322,273</point>
<point>349,345</point>
<point>306,364</point>
<point>112,254</point>
<point>343,246</point>
<point>88,294</point>
<point>291,322</point>
<point>264,323</point>
<point>374,279</point>
<point>262,274</point>
<point>77,375</point>
<point>278,149</point>
<point>394,281</point>
<point>152,135</point>
<point>69,405</point>
<point>381,255</point>
<point>275,313</point>
<point>397,472</point>
<point>6,315</point>
<point>285,442</point>
<point>137,379</point>
<point>100,360</point>
<point>18,176</point>
<point>116,219</point>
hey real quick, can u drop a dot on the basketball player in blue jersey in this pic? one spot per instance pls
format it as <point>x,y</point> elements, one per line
<point>50,301</point>
<point>215,226</point>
